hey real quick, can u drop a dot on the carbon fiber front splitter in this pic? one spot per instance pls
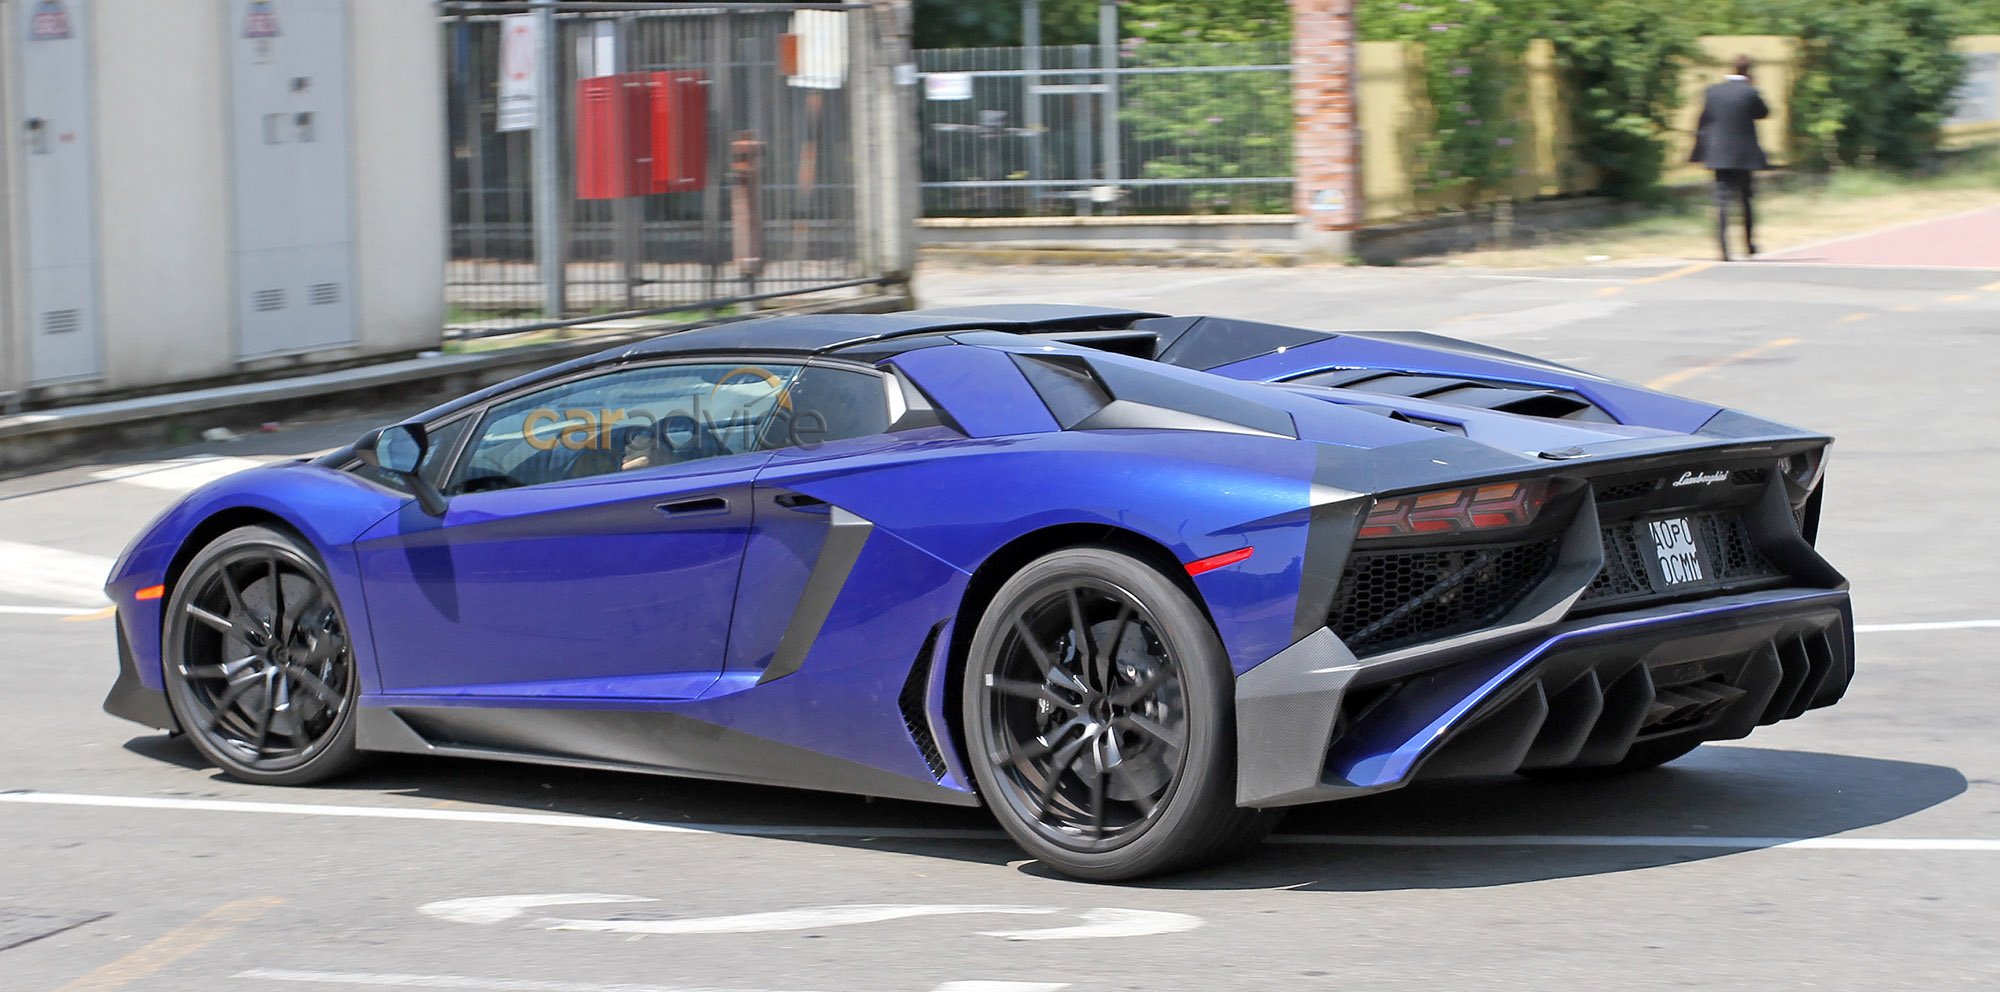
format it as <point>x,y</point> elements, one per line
<point>1315,723</point>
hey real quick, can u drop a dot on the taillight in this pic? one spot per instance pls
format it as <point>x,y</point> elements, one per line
<point>1474,508</point>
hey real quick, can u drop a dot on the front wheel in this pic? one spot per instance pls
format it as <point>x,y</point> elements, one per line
<point>258,667</point>
<point>1098,706</point>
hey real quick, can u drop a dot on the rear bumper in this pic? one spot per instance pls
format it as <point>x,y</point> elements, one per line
<point>1315,723</point>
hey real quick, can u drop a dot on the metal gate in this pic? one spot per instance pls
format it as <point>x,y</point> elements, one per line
<point>704,155</point>
<point>291,186</point>
<point>60,215</point>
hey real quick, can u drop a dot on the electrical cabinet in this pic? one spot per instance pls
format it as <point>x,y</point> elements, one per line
<point>57,165</point>
<point>292,185</point>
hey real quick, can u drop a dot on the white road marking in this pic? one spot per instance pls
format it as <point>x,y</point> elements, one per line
<point>1975,845</point>
<point>572,821</point>
<point>1885,628</point>
<point>177,475</point>
<point>1001,987</point>
<point>1108,922</point>
<point>782,921</point>
<point>500,909</point>
<point>1097,923</point>
<point>53,574</point>
<point>44,611</point>
<point>579,822</point>
<point>376,979</point>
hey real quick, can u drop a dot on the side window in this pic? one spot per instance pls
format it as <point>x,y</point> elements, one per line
<point>620,421</point>
<point>828,403</point>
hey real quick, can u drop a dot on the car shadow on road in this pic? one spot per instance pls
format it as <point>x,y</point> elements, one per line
<point>1759,794</point>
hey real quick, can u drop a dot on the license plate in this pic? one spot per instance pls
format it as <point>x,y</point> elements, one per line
<point>1677,558</point>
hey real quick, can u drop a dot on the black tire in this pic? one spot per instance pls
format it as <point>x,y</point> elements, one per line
<point>1644,756</point>
<point>1079,763</point>
<point>257,663</point>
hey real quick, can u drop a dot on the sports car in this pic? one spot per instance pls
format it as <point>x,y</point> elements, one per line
<point>1136,583</point>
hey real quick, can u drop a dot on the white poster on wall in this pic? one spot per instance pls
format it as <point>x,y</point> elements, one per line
<point>822,49</point>
<point>948,86</point>
<point>520,41</point>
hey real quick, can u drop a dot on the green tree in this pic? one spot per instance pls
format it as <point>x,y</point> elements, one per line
<point>1468,129</point>
<point>1178,21</point>
<point>1876,80</point>
<point>997,23</point>
<point>1621,62</point>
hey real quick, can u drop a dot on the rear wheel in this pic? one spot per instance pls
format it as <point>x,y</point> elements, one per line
<point>258,667</point>
<point>1098,705</point>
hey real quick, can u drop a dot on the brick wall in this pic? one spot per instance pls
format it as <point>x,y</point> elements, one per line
<point>1325,145</point>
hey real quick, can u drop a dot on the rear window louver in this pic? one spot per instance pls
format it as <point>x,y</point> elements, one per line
<point>1545,402</point>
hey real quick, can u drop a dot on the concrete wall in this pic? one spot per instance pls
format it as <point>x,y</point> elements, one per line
<point>165,268</point>
<point>1978,120</point>
<point>166,263</point>
<point>400,183</point>
<point>12,309</point>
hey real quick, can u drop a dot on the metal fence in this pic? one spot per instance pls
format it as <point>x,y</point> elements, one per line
<point>703,156</point>
<point>1161,129</point>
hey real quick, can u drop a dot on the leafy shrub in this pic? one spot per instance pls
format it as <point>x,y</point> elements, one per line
<point>1876,80</point>
<point>1621,62</point>
<point>1469,128</point>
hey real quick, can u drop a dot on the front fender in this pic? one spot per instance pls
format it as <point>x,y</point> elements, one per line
<point>329,509</point>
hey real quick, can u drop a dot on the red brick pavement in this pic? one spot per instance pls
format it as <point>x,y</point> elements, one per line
<point>1964,241</point>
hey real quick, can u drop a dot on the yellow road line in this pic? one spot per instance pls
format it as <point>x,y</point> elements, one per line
<point>1685,270</point>
<point>1856,318</point>
<point>1991,287</point>
<point>103,614</point>
<point>1906,308</point>
<point>1960,298</point>
<point>173,945</point>
<point>1676,274</point>
<point>1673,379</point>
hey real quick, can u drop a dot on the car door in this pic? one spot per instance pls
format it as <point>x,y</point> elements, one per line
<point>591,546</point>
<point>835,417</point>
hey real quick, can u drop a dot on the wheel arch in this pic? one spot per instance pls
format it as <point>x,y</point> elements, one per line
<point>1010,558</point>
<point>221,522</point>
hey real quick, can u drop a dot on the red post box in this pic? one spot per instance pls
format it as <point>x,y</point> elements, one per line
<point>680,131</point>
<point>640,133</point>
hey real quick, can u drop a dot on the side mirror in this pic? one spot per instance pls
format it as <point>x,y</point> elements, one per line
<point>399,451</point>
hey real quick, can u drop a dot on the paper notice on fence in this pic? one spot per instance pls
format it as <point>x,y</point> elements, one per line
<point>948,86</point>
<point>822,49</point>
<point>520,43</point>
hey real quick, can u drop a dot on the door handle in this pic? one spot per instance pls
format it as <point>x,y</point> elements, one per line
<point>800,501</point>
<point>695,506</point>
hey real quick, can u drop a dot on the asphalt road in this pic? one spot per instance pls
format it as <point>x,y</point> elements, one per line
<point>1858,848</point>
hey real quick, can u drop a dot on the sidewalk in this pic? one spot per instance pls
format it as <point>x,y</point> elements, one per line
<point>1970,240</point>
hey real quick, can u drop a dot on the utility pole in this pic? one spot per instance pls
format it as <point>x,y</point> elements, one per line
<point>547,159</point>
<point>1107,44</point>
<point>1031,93</point>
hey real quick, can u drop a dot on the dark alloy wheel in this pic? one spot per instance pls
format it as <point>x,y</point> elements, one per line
<point>259,670</point>
<point>1097,704</point>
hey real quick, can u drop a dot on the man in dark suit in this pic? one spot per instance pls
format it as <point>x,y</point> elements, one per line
<point>1726,142</point>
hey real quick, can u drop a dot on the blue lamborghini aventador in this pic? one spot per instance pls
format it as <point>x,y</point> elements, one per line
<point>1134,582</point>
